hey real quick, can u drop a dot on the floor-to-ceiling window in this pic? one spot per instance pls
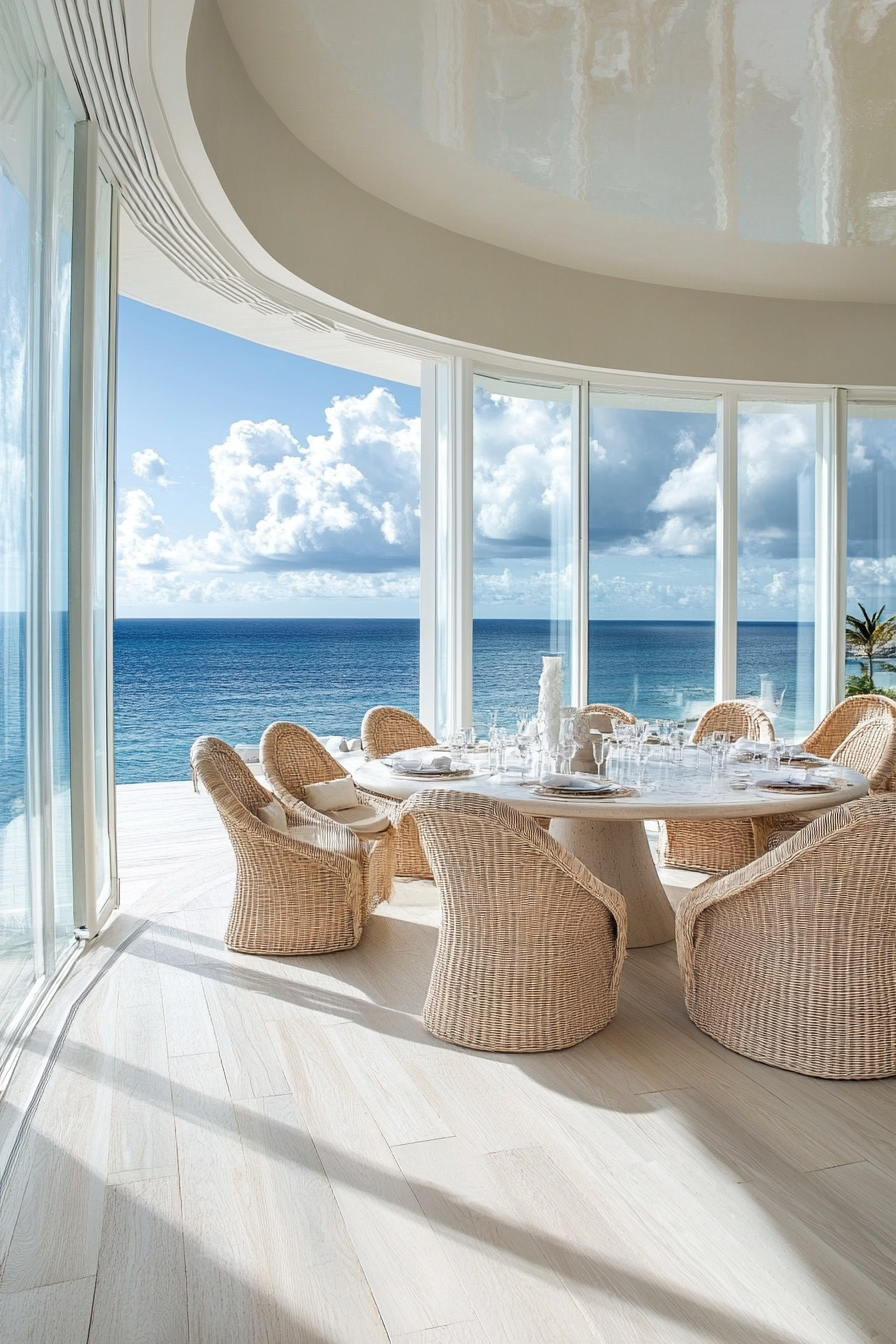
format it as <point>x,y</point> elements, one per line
<point>523,454</point>
<point>776,496</point>
<point>651,544</point>
<point>871,527</point>
<point>36,165</point>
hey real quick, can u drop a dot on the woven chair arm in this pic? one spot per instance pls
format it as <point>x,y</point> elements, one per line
<point>336,848</point>
<point>376,800</point>
<point>764,871</point>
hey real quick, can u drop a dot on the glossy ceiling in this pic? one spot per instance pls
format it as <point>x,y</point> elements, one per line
<point>551,125</point>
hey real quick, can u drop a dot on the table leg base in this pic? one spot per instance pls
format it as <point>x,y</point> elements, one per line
<point>618,853</point>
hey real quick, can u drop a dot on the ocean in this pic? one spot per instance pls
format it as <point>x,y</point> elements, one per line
<point>178,679</point>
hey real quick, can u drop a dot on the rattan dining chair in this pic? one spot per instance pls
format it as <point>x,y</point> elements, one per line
<point>293,759</point>
<point>870,749</point>
<point>612,711</point>
<point>720,845</point>
<point>531,944</point>
<point>792,960</point>
<point>384,730</point>
<point>297,892</point>
<point>843,719</point>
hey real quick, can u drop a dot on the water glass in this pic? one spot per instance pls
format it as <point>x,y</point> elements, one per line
<point>600,750</point>
<point>497,749</point>
<point>567,741</point>
<point>458,745</point>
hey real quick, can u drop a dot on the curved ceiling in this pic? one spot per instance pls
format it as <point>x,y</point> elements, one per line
<point>747,146</point>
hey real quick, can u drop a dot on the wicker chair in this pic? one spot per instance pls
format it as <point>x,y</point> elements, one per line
<point>870,749</point>
<point>531,944</point>
<point>295,894</point>
<point>837,726</point>
<point>384,730</point>
<point>292,758</point>
<point>718,846</point>
<point>792,960</point>
<point>612,710</point>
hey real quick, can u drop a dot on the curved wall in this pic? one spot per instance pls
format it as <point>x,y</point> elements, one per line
<point>391,265</point>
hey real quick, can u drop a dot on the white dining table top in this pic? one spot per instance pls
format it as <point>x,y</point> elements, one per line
<point>669,791</point>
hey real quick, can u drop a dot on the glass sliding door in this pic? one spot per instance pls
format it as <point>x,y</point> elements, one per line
<point>776,485</point>
<point>523,456</point>
<point>19,219</point>
<point>871,530</point>
<point>36,163</point>
<point>652,542</point>
<point>101,456</point>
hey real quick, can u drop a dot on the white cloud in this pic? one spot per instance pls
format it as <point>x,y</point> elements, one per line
<point>522,470</point>
<point>346,501</point>
<point>149,466</point>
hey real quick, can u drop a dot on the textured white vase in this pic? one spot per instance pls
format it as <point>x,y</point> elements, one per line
<point>550,698</point>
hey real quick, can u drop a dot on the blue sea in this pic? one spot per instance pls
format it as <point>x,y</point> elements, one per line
<point>178,679</point>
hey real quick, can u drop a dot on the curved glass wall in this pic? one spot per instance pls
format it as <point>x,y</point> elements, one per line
<point>678,544</point>
<point>36,169</point>
<point>652,466</point>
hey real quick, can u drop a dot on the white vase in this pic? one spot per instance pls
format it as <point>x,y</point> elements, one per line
<point>550,698</point>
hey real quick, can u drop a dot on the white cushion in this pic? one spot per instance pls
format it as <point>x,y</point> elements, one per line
<point>362,820</point>
<point>334,794</point>
<point>273,814</point>
<point>311,835</point>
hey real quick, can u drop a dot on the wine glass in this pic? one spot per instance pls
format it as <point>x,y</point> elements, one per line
<point>567,742</point>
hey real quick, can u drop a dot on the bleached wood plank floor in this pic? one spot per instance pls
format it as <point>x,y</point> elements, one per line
<point>249,1149</point>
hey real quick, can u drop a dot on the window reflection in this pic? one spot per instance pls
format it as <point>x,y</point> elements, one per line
<point>522,541</point>
<point>652,542</point>
<point>871,520</point>
<point>776,561</point>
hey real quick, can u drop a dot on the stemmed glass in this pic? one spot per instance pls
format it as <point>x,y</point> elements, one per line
<point>678,737</point>
<point>567,742</point>
<point>718,747</point>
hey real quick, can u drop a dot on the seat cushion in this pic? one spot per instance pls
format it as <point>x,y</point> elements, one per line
<point>273,814</point>
<point>362,820</point>
<point>332,795</point>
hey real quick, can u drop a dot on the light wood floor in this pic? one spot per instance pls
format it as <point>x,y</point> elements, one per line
<point>234,1149</point>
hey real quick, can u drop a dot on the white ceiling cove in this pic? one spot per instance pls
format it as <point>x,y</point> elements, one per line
<point>747,146</point>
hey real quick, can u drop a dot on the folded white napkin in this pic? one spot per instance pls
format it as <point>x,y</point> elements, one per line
<point>746,744</point>
<point>793,779</point>
<point>589,783</point>
<point>431,763</point>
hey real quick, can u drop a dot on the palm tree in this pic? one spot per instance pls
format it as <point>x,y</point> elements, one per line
<point>868,639</point>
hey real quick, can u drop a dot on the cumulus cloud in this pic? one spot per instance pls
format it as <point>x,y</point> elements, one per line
<point>522,472</point>
<point>149,466</point>
<point>346,501</point>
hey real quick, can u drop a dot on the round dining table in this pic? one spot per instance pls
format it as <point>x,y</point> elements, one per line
<point>607,834</point>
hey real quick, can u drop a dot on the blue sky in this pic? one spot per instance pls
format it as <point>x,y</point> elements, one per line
<point>181,386</point>
<point>256,483</point>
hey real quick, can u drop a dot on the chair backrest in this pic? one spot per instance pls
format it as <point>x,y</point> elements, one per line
<point>737,718</point>
<point>843,718</point>
<point>292,758</point>
<point>499,858</point>
<point>231,784</point>
<point>613,711</point>
<point>871,749</point>
<point>386,729</point>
